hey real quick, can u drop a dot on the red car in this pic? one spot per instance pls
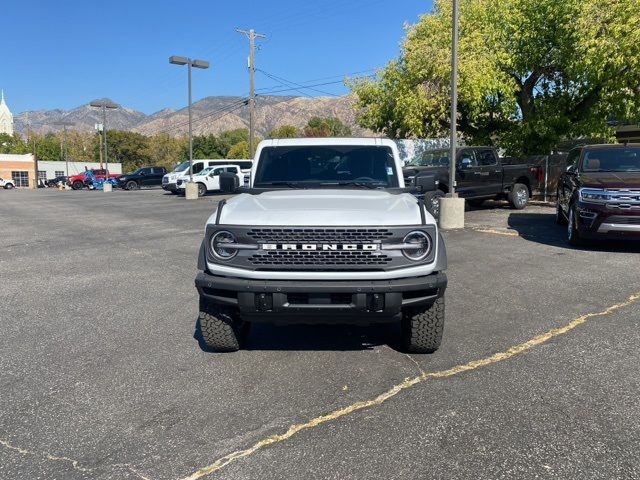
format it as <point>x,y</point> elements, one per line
<point>79,181</point>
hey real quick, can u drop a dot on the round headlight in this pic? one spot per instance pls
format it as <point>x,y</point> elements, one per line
<point>218,241</point>
<point>420,246</point>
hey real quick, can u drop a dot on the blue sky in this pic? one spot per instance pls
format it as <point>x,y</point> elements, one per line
<point>60,54</point>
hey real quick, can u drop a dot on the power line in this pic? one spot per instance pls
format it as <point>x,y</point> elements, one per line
<point>225,110</point>
<point>290,83</point>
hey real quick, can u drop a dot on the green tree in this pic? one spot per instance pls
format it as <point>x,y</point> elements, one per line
<point>530,73</point>
<point>205,146</point>
<point>284,131</point>
<point>128,148</point>
<point>239,150</point>
<point>165,151</point>
<point>326,127</point>
<point>230,138</point>
<point>12,144</point>
<point>47,146</point>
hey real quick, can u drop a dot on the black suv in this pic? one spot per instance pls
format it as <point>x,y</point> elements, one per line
<point>599,193</point>
<point>142,177</point>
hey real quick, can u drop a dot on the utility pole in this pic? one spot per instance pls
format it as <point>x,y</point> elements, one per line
<point>63,144</point>
<point>251,35</point>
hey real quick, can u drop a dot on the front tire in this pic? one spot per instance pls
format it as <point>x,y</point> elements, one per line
<point>560,218</point>
<point>131,185</point>
<point>422,329</point>
<point>519,196</point>
<point>221,330</point>
<point>8,186</point>
<point>77,185</point>
<point>573,235</point>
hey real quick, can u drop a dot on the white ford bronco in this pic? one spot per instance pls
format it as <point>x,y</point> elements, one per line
<point>326,232</point>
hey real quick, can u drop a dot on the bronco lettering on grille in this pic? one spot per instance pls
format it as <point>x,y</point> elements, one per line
<point>320,246</point>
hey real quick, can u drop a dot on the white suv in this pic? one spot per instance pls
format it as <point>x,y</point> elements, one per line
<point>6,184</point>
<point>325,233</point>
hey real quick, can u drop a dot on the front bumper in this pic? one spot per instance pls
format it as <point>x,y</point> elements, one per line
<point>321,301</point>
<point>170,187</point>
<point>605,221</point>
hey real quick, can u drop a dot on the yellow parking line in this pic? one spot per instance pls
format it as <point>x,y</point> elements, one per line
<point>506,233</point>
<point>408,383</point>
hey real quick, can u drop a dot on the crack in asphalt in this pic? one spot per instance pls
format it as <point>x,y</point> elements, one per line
<point>74,463</point>
<point>406,384</point>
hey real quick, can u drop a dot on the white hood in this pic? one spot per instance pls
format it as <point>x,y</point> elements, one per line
<point>322,208</point>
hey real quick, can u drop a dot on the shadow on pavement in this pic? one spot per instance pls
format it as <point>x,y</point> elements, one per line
<point>266,336</point>
<point>542,228</point>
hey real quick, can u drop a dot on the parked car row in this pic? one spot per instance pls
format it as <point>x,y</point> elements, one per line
<point>208,179</point>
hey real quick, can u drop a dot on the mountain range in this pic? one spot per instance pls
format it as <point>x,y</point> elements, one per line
<point>210,115</point>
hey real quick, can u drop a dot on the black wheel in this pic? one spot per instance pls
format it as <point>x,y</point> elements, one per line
<point>422,329</point>
<point>432,202</point>
<point>519,196</point>
<point>560,218</point>
<point>132,185</point>
<point>77,185</point>
<point>8,186</point>
<point>202,189</point>
<point>573,235</point>
<point>222,331</point>
<point>476,203</point>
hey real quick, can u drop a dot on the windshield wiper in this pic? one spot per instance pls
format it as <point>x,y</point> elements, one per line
<point>284,184</point>
<point>370,185</point>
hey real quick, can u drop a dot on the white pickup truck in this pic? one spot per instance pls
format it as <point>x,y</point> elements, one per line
<point>208,180</point>
<point>6,184</point>
<point>326,232</point>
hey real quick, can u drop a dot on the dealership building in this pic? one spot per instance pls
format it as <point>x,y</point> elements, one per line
<point>21,169</point>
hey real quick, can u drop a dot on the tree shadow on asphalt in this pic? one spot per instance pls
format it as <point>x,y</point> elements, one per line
<point>267,336</point>
<point>542,228</point>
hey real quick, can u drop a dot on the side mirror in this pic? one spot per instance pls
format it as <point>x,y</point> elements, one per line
<point>571,169</point>
<point>229,182</point>
<point>142,174</point>
<point>465,163</point>
<point>426,182</point>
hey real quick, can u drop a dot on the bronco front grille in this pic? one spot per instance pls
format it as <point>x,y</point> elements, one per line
<point>319,235</point>
<point>320,258</point>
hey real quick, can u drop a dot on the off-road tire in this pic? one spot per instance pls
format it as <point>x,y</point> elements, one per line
<point>519,196</point>
<point>422,329</point>
<point>132,185</point>
<point>432,203</point>
<point>222,331</point>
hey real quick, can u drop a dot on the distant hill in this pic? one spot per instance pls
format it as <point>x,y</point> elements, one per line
<point>210,115</point>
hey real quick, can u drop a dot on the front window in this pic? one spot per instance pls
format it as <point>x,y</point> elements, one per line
<point>326,165</point>
<point>612,160</point>
<point>434,158</point>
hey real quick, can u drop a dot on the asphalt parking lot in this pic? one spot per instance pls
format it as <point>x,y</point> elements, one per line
<point>102,375</point>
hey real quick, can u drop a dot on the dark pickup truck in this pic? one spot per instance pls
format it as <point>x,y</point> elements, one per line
<point>480,176</point>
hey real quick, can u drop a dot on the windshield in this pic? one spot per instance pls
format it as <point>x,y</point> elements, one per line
<point>205,171</point>
<point>434,158</point>
<point>340,165</point>
<point>182,167</point>
<point>612,160</point>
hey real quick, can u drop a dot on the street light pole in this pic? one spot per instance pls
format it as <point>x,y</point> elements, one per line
<point>176,60</point>
<point>454,101</point>
<point>452,207</point>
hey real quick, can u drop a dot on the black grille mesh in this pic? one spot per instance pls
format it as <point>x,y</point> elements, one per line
<point>620,219</point>
<point>315,258</point>
<point>319,235</point>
